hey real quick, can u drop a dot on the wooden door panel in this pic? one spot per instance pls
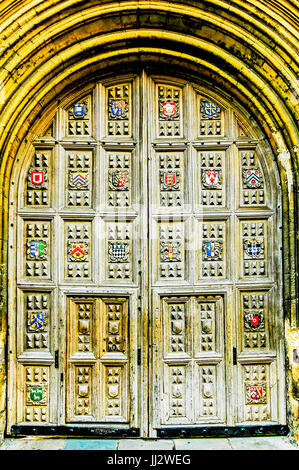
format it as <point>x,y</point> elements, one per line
<point>118,110</point>
<point>78,251</point>
<point>191,354</point>
<point>212,118</point>
<point>169,170</point>
<point>177,406</point>
<point>211,228</point>
<point>120,167</point>
<point>98,360</point>
<point>169,110</point>
<point>212,169</point>
<point>177,324</point>
<point>40,171</point>
<point>253,190</point>
<point>35,404</point>
<point>210,401</point>
<point>169,240</point>
<point>211,261</point>
<point>79,171</point>
<point>79,119</point>
<point>115,392</point>
<point>258,392</point>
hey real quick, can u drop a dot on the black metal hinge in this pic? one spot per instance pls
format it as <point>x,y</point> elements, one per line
<point>56,359</point>
<point>234,356</point>
<point>139,356</point>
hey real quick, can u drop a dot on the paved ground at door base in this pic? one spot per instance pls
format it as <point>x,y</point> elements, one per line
<point>236,443</point>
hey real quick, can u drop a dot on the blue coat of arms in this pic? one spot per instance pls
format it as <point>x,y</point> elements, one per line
<point>37,321</point>
<point>79,110</point>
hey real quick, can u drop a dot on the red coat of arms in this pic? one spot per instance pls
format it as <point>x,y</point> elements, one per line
<point>211,178</point>
<point>254,320</point>
<point>252,178</point>
<point>78,250</point>
<point>256,392</point>
<point>169,108</point>
<point>37,177</point>
<point>170,179</point>
<point>119,179</point>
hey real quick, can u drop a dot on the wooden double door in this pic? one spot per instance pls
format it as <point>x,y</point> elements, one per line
<point>146,266</point>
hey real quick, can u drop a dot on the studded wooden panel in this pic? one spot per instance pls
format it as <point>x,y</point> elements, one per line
<point>171,251</point>
<point>85,316</point>
<point>176,379</point>
<point>38,182</point>
<point>79,184</point>
<point>79,118</point>
<point>212,177</point>
<point>254,249</point>
<point>252,179</point>
<point>78,248</point>
<point>97,360</point>
<point>114,380</point>
<point>118,109</point>
<point>115,360</point>
<point>255,310</point>
<point>176,323</point>
<point>119,251</point>
<point>36,394</point>
<point>205,339</point>
<point>193,357</point>
<point>37,321</point>
<point>171,179</point>
<point>119,179</point>
<point>258,388</point>
<point>170,111</point>
<point>211,119</point>
<point>83,391</point>
<point>81,357</point>
<point>206,406</point>
<point>37,241</point>
<point>115,328</point>
<point>211,260</point>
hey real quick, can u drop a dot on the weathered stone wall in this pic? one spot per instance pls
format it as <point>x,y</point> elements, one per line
<point>246,49</point>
